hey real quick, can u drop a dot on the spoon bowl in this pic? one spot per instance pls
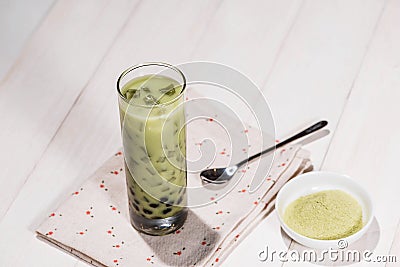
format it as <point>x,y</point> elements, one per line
<point>218,175</point>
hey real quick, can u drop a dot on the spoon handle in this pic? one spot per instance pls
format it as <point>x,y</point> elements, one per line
<point>311,129</point>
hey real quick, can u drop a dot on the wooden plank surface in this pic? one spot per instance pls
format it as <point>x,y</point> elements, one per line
<point>69,157</point>
<point>365,145</point>
<point>311,80</point>
<point>395,248</point>
<point>305,55</point>
<point>44,83</point>
<point>18,21</point>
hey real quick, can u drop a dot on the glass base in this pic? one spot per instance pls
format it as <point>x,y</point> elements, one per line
<point>158,226</point>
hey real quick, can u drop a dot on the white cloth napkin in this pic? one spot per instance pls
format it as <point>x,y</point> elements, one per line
<point>93,223</point>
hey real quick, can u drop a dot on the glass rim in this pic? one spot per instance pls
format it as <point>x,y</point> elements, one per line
<point>146,64</point>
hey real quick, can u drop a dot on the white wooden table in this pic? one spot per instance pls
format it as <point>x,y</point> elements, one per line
<point>338,60</point>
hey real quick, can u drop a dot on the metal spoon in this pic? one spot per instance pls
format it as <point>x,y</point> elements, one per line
<point>223,175</point>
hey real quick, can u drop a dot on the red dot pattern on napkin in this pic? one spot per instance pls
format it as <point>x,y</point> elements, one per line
<point>112,232</point>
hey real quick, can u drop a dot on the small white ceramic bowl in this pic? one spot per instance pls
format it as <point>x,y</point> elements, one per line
<point>313,182</point>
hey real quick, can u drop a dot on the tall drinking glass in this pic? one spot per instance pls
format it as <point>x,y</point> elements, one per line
<point>151,97</point>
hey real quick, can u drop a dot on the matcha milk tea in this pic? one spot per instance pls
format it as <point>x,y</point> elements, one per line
<point>154,140</point>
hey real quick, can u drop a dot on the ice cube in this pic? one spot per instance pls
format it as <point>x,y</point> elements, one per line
<point>150,100</point>
<point>169,90</point>
<point>130,93</point>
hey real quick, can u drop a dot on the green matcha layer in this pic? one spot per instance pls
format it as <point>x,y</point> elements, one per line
<point>326,215</point>
<point>153,131</point>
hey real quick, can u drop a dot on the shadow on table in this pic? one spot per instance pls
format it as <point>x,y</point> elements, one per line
<point>187,246</point>
<point>350,255</point>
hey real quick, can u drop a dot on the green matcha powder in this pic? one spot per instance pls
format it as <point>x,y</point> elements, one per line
<point>326,215</point>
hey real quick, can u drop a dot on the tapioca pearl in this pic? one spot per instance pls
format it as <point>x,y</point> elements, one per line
<point>167,210</point>
<point>135,206</point>
<point>154,205</point>
<point>148,212</point>
<point>136,201</point>
<point>131,191</point>
<point>164,199</point>
<point>146,199</point>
